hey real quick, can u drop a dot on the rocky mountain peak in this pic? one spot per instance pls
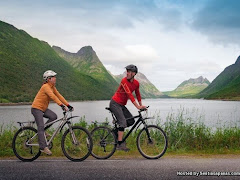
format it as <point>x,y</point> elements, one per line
<point>200,80</point>
<point>86,50</point>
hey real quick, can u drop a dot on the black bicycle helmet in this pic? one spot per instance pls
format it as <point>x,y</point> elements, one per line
<point>132,68</point>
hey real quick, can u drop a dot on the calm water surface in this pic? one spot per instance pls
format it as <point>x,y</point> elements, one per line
<point>212,113</point>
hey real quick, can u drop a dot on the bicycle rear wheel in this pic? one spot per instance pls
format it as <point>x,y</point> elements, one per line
<point>21,144</point>
<point>104,142</point>
<point>152,142</point>
<point>76,146</point>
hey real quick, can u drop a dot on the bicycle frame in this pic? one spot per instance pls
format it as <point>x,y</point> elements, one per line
<point>139,122</point>
<point>151,140</point>
<point>63,120</point>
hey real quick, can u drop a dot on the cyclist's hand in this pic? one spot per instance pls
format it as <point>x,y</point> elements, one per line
<point>64,108</point>
<point>142,107</point>
<point>70,108</point>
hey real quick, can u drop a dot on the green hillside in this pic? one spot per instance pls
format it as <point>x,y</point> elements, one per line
<point>189,88</point>
<point>23,60</point>
<point>188,91</point>
<point>87,62</point>
<point>226,85</point>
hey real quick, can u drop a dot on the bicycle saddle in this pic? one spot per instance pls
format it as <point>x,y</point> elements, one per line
<point>107,108</point>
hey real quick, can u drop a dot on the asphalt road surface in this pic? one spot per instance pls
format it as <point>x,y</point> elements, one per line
<point>164,168</point>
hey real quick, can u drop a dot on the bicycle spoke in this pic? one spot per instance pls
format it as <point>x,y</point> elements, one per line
<point>24,146</point>
<point>152,142</point>
<point>76,146</point>
<point>104,143</point>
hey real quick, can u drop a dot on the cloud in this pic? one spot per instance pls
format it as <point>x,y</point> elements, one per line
<point>219,20</point>
<point>104,13</point>
<point>169,40</point>
<point>141,52</point>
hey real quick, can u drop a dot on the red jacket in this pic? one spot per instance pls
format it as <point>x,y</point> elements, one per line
<point>124,91</point>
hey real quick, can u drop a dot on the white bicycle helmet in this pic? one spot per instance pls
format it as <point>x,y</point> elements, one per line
<point>48,74</point>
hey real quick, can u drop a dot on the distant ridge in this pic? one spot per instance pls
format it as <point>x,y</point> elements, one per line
<point>189,87</point>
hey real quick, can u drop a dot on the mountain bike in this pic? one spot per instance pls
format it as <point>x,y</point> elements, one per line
<point>151,139</point>
<point>76,141</point>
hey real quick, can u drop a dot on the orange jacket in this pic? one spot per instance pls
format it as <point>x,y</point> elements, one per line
<point>45,94</point>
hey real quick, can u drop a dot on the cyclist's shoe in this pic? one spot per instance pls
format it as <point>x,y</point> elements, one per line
<point>46,151</point>
<point>123,147</point>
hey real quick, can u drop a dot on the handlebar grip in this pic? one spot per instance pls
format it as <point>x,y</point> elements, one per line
<point>144,109</point>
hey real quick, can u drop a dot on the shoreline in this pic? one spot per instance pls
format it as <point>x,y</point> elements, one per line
<point>15,104</point>
<point>29,103</point>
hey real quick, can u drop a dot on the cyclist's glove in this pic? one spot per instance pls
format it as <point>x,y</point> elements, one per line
<point>63,107</point>
<point>70,108</point>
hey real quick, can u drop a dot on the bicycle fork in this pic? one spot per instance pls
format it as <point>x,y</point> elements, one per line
<point>75,141</point>
<point>72,134</point>
<point>148,134</point>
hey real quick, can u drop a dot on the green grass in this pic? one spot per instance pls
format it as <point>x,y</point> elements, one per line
<point>184,137</point>
<point>4,101</point>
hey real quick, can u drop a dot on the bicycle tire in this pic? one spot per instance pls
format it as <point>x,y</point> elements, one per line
<point>80,151</point>
<point>104,142</point>
<point>154,148</point>
<point>21,149</point>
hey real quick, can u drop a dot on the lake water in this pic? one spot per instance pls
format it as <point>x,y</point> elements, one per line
<point>212,113</point>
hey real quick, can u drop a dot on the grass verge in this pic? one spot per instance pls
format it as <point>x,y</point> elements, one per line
<point>185,137</point>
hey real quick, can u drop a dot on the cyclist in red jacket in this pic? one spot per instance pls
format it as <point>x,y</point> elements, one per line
<point>119,100</point>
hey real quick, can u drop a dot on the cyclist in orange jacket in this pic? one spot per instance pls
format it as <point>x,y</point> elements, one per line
<point>119,100</point>
<point>40,109</point>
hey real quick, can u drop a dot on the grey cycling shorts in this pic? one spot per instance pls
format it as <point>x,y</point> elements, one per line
<point>120,112</point>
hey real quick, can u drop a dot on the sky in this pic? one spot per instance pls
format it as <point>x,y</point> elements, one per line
<point>168,40</point>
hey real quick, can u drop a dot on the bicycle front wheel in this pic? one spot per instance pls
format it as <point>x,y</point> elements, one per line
<point>152,142</point>
<point>76,144</point>
<point>104,142</point>
<point>25,144</point>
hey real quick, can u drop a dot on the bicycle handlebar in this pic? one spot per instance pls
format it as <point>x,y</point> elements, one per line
<point>145,109</point>
<point>65,111</point>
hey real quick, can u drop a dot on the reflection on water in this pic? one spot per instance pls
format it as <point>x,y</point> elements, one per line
<point>211,113</point>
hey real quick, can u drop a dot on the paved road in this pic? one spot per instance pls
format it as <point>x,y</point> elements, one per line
<point>164,168</point>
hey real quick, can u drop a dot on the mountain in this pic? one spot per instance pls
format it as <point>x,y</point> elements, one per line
<point>226,85</point>
<point>147,89</point>
<point>23,60</point>
<point>189,87</point>
<point>87,62</point>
